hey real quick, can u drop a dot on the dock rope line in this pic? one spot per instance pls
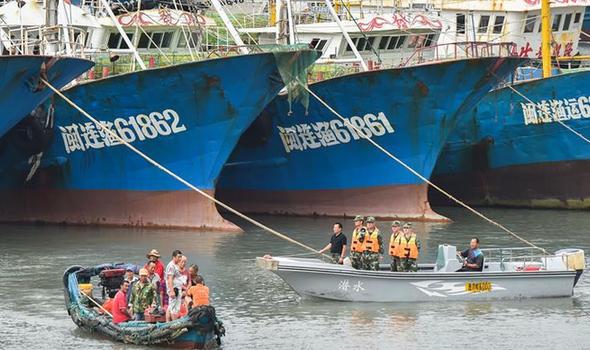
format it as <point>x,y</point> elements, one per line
<point>410,169</point>
<point>177,177</point>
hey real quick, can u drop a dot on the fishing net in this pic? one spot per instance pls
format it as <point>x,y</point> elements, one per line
<point>293,70</point>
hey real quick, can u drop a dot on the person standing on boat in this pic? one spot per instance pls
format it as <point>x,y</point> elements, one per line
<point>394,243</point>
<point>373,246</point>
<point>408,249</point>
<point>356,248</point>
<point>154,256</point>
<point>143,295</point>
<point>174,282</point>
<point>156,282</point>
<point>119,308</point>
<point>337,244</point>
<point>473,257</point>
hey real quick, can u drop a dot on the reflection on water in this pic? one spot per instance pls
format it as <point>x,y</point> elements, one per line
<point>261,311</point>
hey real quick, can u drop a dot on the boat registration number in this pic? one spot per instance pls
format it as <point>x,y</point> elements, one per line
<point>475,287</point>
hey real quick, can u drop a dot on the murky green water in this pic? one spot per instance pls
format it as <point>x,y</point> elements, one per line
<point>261,311</point>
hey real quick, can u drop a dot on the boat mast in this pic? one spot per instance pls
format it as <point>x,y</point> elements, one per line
<point>230,27</point>
<point>51,26</point>
<point>346,36</point>
<point>546,37</point>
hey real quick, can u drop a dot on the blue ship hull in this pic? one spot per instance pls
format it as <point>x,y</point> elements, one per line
<point>312,164</point>
<point>187,117</point>
<point>21,90</point>
<point>506,152</point>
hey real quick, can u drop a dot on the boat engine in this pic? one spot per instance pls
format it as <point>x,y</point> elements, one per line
<point>110,280</point>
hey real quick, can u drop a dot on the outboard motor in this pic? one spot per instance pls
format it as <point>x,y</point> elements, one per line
<point>574,260</point>
<point>446,259</point>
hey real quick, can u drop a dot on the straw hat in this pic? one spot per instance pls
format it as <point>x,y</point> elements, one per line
<point>153,252</point>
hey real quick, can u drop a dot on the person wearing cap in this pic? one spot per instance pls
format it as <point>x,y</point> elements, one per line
<point>132,279</point>
<point>337,245</point>
<point>408,249</point>
<point>396,228</point>
<point>373,246</point>
<point>356,248</point>
<point>143,295</point>
<point>154,256</point>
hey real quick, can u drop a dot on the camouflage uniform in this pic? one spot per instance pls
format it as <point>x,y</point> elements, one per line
<point>355,260</point>
<point>395,263</point>
<point>370,260</point>
<point>408,264</point>
<point>142,296</point>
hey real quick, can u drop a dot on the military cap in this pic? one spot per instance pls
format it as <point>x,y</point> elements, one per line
<point>370,219</point>
<point>396,223</point>
<point>408,225</point>
<point>359,218</point>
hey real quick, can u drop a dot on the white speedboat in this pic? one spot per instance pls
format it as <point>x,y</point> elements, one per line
<point>508,273</point>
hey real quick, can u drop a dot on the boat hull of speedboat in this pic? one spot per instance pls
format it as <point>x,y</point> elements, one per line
<point>315,278</point>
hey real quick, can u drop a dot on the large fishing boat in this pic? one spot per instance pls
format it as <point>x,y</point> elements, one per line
<point>308,161</point>
<point>508,273</point>
<point>524,144</point>
<point>188,117</point>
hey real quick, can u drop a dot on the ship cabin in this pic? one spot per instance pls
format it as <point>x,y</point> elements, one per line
<point>387,40</point>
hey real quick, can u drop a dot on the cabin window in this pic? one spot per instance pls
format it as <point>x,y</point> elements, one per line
<point>460,23</point>
<point>484,22</point>
<point>577,18</point>
<point>166,40</point>
<point>114,39</point>
<point>360,44</point>
<point>354,41</point>
<point>498,25</point>
<point>417,41</point>
<point>400,42</point>
<point>370,43</point>
<point>529,25</point>
<point>144,41</point>
<point>566,22</point>
<point>429,40</point>
<point>396,42</point>
<point>192,37</point>
<point>383,42</point>
<point>556,21</point>
<point>156,40</point>
<point>123,43</point>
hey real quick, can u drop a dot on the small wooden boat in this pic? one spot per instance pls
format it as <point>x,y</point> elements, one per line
<point>199,329</point>
<point>507,274</point>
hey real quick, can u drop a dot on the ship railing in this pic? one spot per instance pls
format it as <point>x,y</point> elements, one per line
<point>459,50</point>
<point>53,40</point>
<point>514,255</point>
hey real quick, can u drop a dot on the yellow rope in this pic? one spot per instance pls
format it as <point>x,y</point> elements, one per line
<point>172,174</point>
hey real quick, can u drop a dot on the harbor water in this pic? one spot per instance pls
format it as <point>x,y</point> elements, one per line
<point>261,312</point>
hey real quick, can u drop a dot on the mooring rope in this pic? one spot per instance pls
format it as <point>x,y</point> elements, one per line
<point>177,177</point>
<point>410,169</point>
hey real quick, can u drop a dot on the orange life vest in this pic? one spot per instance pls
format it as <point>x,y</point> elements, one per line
<point>200,294</point>
<point>407,248</point>
<point>394,242</point>
<point>356,245</point>
<point>371,243</point>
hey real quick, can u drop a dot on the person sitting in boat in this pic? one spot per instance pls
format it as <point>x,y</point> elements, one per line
<point>356,248</point>
<point>473,257</point>
<point>143,295</point>
<point>154,256</point>
<point>119,307</point>
<point>193,271</point>
<point>396,230</point>
<point>174,283</point>
<point>372,242</point>
<point>408,249</point>
<point>337,245</point>
<point>199,293</point>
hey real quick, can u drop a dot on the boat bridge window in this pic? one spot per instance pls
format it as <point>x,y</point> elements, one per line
<point>566,22</point>
<point>193,39</point>
<point>484,22</point>
<point>158,39</point>
<point>383,42</point>
<point>360,44</point>
<point>460,23</point>
<point>577,18</point>
<point>117,42</point>
<point>396,42</point>
<point>498,24</point>
<point>370,43</point>
<point>529,25</point>
<point>318,44</point>
<point>429,40</point>
<point>556,21</point>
